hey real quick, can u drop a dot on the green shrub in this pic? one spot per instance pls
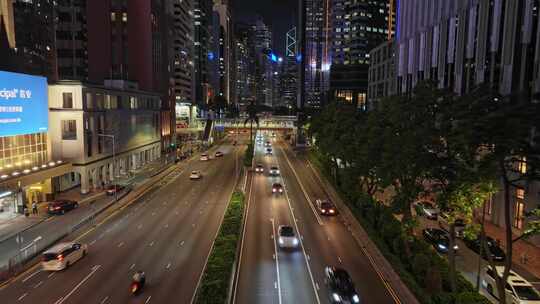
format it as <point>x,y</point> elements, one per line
<point>214,286</point>
<point>248,156</point>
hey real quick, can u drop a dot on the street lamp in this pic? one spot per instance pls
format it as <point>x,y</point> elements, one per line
<point>114,162</point>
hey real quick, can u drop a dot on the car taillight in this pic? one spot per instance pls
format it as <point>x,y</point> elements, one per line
<point>60,257</point>
<point>56,208</point>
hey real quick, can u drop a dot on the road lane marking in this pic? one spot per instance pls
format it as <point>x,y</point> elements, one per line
<point>132,266</point>
<point>151,244</point>
<point>139,227</point>
<point>30,276</point>
<point>182,243</point>
<point>301,241</point>
<point>147,300</point>
<point>38,284</point>
<point>166,226</point>
<point>52,273</point>
<point>94,269</point>
<point>277,261</point>
<point>317,217</point>
<point>339,259</point>
<point>168,265</point>
<point>121,244</point>
<point>92,242</point>
<point>104,300</point>
<point>22,297</point>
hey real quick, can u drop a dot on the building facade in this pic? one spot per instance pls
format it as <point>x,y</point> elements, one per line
<point>224,39</point>
<point>462,44</point>
<point>245,68</point>
<point>182,51</point>
<point>104,132</point>
<point>357,28</point>
<point>202,54</point>
<point>382,73</point>
<point>317,42</point>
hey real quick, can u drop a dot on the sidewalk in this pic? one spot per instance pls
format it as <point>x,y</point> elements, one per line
<point>11,224</point>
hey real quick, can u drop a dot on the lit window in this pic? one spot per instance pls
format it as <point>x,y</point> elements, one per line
<point>519,210</point>
<point>520,193</point>
<point>522,165</point>
<point>124,17</point>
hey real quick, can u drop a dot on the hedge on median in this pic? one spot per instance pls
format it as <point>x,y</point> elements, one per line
<point>248,156</point>
<point>215,283</point>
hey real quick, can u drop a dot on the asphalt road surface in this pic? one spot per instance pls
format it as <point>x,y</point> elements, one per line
<point>168,234</point>
<point>269,274</point>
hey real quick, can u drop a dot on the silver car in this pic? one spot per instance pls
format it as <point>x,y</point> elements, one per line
<point>62,255</point>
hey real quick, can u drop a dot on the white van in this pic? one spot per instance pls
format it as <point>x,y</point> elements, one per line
<point>62,255</point>
<point>518,290</point>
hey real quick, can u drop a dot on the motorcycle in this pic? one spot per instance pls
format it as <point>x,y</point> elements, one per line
<point>136,287</point>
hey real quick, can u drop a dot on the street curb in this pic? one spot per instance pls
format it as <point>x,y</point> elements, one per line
<point>398,290</point>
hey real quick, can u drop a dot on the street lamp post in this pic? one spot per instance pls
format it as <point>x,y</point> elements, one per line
<point>114,163</point>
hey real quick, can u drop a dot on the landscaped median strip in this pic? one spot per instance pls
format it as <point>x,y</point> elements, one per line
<point>215,284</point>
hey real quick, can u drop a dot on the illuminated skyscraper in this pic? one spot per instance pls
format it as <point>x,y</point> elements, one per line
<point>357,28</point>
<point>317,14</point>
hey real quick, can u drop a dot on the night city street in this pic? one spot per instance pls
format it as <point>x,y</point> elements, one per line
<point>270,151</point>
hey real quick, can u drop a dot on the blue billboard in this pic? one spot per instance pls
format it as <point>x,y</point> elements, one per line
<point>23,104</point>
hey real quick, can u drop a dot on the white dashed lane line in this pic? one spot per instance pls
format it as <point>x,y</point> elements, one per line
<point>22,297</point>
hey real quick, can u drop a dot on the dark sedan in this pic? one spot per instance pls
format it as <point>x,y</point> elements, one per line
<point>496,252</point>
<point>61,206</point>
<point>340,286</point>
<point>438,239</point>
<point>112,189</point>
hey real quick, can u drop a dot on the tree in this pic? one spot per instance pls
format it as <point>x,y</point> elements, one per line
<point>505,132</point>
<point>252,118</point>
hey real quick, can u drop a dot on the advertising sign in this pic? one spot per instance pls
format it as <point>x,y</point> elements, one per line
<point>23,104</point>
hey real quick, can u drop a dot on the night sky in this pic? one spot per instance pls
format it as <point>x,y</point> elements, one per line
<point>280,15</point>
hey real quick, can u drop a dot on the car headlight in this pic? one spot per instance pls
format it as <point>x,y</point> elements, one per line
<point>280,190</point>
<point>336,297</point>
<point>274,190</point>
<point>456,247</point>
<point>356,299</point>
<point>295,241</point>
<point>441,246</point>
<point>332,211</point>
<point>280,241</point>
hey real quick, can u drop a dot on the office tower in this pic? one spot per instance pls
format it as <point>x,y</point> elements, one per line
<point>202,20</point>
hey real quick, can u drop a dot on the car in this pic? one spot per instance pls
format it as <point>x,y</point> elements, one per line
<point>273,134</point>
<point>517,289</point>
<point>268,151</point>
<point>62,255</point>
<point>340,286</point>
<point>439,239</point>
<point>497,254</point>
<point>204,157</point>
<point>426,209</point>
<point>259,168</point>
<point>274,171</point>
<point>61,206</point>
<point>287,237</point>
<point>195,174</point>
<point>277,188</point>
<point>267,144</point>
<point>112,189</point>
<point>218,154</point>
<point>325,207</point>
<point>459,224</point>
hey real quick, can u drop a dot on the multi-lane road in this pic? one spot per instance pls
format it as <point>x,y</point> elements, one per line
<point>168,234</point>
<point>269,274</point>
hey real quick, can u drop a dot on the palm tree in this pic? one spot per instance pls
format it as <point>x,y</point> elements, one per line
<point>252,118</point>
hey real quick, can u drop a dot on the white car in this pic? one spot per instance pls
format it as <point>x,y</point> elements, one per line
<point>62,255</point>
<point>259,168</point>
<point>274,171</point>
<point>518,290</point>
<point>195,174</point>
<point>287,238</point>
<point>204,157</point>
<point>427,209</point>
